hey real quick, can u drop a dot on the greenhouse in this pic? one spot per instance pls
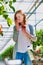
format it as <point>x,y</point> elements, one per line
<point>33,10</point>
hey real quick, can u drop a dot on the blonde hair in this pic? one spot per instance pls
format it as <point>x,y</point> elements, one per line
<point>20,11</point>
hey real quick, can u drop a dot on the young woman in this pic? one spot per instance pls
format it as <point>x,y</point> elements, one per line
<point>23,40</point>
<point>21,35</point>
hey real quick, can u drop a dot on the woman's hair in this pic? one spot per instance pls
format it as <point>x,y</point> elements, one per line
<point>19,11</point>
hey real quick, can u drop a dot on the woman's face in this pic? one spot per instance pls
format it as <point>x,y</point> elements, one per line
<point>19,18</point>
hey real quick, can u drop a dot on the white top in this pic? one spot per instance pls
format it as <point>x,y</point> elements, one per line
<point>23,42</point>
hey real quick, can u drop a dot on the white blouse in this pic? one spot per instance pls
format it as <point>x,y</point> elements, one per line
<point>24,43</point>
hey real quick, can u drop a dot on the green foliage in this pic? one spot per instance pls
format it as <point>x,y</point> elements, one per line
<point>39,41</point>
<point>9,21</point>
<point>5,16</point>
<point>1,0</point>
<point>10,2</point>
<point>4,13</point>
<point>14,0</point>
<point>41,49</point>
<point>1,9</point>
<point>7,53</point>
<point>12,8</point>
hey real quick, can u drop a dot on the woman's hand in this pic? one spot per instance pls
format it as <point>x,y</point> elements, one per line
<point>34,39</point>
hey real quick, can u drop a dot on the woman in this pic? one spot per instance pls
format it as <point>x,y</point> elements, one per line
<point>21,35</point>
<point>23,38</point>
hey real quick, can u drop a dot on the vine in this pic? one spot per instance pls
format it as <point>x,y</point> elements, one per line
<point>4,13</point>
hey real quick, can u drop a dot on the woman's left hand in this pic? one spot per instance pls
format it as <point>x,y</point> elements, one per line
<point>34,39</point>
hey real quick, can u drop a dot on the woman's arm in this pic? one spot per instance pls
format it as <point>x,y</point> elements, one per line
<point>27,34</point>
<point>33,38</point>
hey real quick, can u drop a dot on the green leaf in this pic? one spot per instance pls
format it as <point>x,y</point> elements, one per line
<point>14,0</point>
<point>9,21</point>
<point>12,8</point>
<point>5,16</point>
<point>4,12</point>
<point>1,0</point>
<point>1,10</point>
<point>2,7</point>
<point>10,2</point>
<point>6,2</point>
